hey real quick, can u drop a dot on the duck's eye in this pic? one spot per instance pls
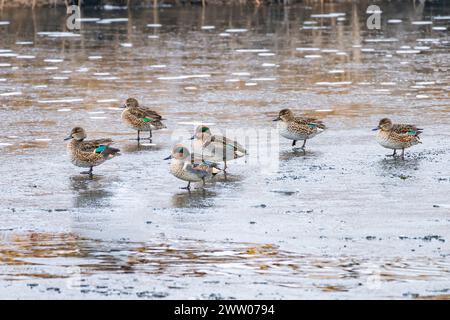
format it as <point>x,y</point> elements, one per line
<point>180,150</point>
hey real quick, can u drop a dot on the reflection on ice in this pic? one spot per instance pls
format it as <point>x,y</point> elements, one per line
<point>70,100</point>
<point>328,15</point>
<point>57,34</point>
<point>25,57</point>
<point>420,23</point>
<point>9,94</point>
<point>235,30</point>
<point>114,20</point>
<point>54,60</point>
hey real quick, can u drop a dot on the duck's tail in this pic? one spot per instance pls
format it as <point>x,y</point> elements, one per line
<point>320,125</point>
<point>159,125</point>
<point>110,152</point>
<point>215,169</point>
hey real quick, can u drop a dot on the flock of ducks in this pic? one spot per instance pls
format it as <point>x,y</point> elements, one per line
<point>201,163</point>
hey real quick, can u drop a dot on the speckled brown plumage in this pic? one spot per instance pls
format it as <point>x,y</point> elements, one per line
<point>141,118</point>
<point>217,148</point>
<point>397,136</point>
<point>182,167</point>
<point>89,153</point>
<point>298,128</point>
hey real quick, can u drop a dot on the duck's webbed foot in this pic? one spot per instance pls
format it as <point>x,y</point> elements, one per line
<point>188,187</point>
<point>302,148</point>
<point>392,155</point>
<point>88,172</point>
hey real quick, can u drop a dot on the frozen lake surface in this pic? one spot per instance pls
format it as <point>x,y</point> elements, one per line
<point>341,221</point>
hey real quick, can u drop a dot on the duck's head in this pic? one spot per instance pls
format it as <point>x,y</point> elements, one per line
<point>131,103</point>
<point>285,115</point>
<point>77,133</point>
<point>384,125</point>
<point>179,152</point>
<point>202,133</point>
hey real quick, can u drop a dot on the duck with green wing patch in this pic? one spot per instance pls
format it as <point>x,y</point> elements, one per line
<point>88,153</point>
<point>298,128</point>
<point>184,168</point>
<point>141,118</point>
<point>215,148</point>
<point>397,136</point>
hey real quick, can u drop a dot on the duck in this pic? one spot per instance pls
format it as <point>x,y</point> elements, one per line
<point>88,153</point>
<point>184,168</point>
<point>215,148</point>
<point>397,136</point>
<point>298,128</point>
<point>141,118</point>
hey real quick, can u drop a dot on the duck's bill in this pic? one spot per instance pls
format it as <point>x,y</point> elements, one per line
<point>67,138</point>
<point>168,158</point>
<point>192,138</point>
<point>277,119</point>
<point>375,129</point>
<point>124,106</point>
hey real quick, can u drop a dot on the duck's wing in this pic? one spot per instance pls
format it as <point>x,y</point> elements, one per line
<point>312,122</point>
<point>409,129</point>
<point>92,145</point>
<point>228,143</point>
<point>408,137</point>
<point>200,170</point>
<point>208,167</point>
<point>146,113</point>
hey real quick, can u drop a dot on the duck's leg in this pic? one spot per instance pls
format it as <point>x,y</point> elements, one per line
<point>403,154</point>
<point>303,146</point>
<point>138,137</point>
<point>392,155</point>
<point>188,187</point>
<point>293,143</point>
<point>88,172</point>
<point>224,166</point>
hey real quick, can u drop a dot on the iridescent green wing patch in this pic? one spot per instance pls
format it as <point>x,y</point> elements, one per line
<point>100,149</point>
<point>146,119</point>
<point>412,132</point>
<point>312,125</point>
